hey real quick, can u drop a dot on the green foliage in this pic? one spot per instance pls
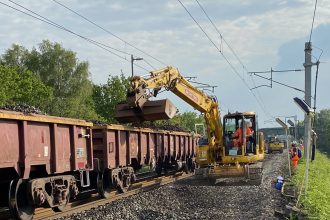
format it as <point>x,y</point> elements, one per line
<point>322,128</point>
<point>108,95</point>
<point>8,77</point>
<point>16,56</point>
<point>317,202</point>
<point>59,69</point>
<point>23,87</point>
<point>186,121</point>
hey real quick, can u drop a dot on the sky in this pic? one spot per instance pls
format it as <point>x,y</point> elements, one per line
<point>263,35</point>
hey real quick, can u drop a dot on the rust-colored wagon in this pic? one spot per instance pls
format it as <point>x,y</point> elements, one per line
<point>121,151</point>
<point>43,160</point>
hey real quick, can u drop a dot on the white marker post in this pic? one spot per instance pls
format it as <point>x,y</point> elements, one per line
<point>309,114</point>
<point>287,141</point>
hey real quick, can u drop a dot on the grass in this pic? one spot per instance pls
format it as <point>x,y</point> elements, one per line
<point>317,201</point>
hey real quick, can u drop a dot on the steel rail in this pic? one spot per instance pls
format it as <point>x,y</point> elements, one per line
<point>95,201</point>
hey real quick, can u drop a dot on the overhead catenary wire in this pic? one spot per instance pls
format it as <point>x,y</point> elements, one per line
<point>66,29</point>
<point>280,83</point>
<point>317,62</point>
<point>109,32</point>
<point>52,23</point>
<point>200,27</point>
<point>147,62</point>
<point>226,59</point>
<point>236,56</point>
<point>262,103</point>
<point>222,38</point>
<point>232,50</point>
<point>310,36</point>
<point>255,73</point>
<point>239,60</point>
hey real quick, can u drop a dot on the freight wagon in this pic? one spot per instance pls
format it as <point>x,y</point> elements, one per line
<point>120,151</point>
<point>45,161</point>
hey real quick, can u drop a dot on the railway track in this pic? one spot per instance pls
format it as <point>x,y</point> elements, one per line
<point>94,200</point>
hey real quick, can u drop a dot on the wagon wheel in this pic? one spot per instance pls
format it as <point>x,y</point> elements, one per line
<point>159,167</point>
<point>166,166</point>
<point>152,164</point>
<point>19,203</point>
<point>124,184</point>
<point>104,184</point>
<point>178,166</point>
<point>192,165</point>
<point>62,207</point>
<point>186,166</point>
<point>212,180</point>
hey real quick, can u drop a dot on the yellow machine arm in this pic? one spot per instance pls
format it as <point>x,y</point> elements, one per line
<point>218,156</point>
<point>171,79</point>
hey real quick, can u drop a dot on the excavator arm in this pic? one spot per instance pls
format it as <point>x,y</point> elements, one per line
<point>170,79</point>
<point>216,158</point>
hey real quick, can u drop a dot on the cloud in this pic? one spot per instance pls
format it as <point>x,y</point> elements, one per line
<point>264,34</point>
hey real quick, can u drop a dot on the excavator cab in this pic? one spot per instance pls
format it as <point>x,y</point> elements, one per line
<point>240,134</point>
<point>242,149</point>
<point>242,140</point>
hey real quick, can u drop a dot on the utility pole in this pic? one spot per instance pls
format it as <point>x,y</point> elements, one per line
<point>308,88</point>
<point>132,62</point>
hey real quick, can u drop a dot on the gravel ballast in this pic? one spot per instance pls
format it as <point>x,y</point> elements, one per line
<point>195,199</point>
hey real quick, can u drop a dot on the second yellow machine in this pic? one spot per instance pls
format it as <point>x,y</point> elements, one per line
<point>234,148</point>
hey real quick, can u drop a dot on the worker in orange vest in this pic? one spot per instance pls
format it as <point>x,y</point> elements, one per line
<point>238,134</point>
<point>295,153</point>
<point>301,145</point>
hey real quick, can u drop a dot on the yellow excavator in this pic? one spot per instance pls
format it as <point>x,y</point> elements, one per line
<point>228,150</point>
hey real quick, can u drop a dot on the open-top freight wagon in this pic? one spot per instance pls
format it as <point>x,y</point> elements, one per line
<point>121,151</point>
<point>46,161</point>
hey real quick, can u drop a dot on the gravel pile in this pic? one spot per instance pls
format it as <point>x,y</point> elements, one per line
<point>195,199</point>
<point>100,123</point>
<point>24,108</point>
<point>151,125</point>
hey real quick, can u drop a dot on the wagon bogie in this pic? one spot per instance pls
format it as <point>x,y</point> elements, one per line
<point>53,191</point>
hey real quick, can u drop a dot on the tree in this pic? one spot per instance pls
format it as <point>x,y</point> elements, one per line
<point>322,128</point>
<point>59,69</point>
<point>23,87</point>
<point>187,120</point>
<point>16,57</point>
<point>108,95</point>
